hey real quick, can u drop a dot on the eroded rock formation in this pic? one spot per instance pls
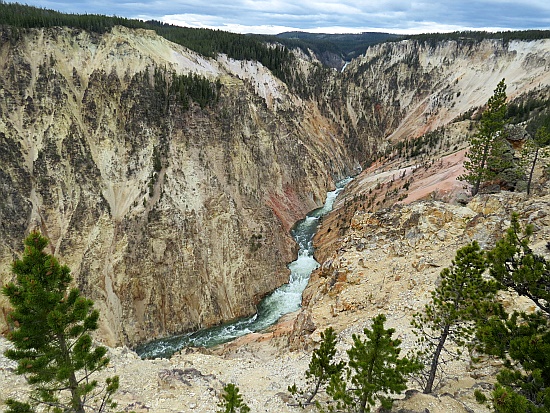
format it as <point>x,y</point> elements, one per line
<point>170,219</point>
<point>174,218</point>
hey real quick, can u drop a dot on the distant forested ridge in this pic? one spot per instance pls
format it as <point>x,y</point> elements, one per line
<point>477,36</point>
<point>23,16</point>
<point>207,42</point>
<point>348,46</point>
<point>274,52</point>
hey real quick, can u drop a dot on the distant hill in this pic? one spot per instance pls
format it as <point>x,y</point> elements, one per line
<point>328,46</point>
<point>332,50</point>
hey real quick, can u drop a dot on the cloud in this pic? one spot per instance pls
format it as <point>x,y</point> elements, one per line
<point>271,16</point>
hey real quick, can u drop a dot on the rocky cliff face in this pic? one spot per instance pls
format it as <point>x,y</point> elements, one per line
<point>174,217</point>
<point>402,90</point>
<point>387,262</point>
<point>169,218</point>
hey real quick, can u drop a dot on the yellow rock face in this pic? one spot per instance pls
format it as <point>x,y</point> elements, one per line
<point>170,219</point>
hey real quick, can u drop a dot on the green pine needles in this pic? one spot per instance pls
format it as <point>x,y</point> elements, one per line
<point>321,367</point>
<point>487,146</point>
<point>521,340</point>
<point>514,265</point>
<point>51,329</point>
<point>463,297</point>
<point>373,373</point>
<point>232,401</point>
<point>533,151</point>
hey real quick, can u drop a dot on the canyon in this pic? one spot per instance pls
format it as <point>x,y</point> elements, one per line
<point>170,220</point>
<point>174,219</point>
<point>386,262</point>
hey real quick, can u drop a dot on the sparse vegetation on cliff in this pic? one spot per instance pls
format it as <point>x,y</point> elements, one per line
<point>374,371</point>
<point>487,146</point>
<point>232,401</point>
<point>171,88</point>
<point>321,367</point>
<point>207,42</point>
<point>462,297</point>
<point>465,299</point>
<point>521,340</point>
<point>207,245</point>
<point>534,150</point>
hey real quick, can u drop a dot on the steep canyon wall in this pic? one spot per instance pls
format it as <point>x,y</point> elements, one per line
<point>172,217</point>
<point>169,218</point>
<point>401,90</point>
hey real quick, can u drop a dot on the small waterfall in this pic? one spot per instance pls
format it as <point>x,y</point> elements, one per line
<point>283,300</point>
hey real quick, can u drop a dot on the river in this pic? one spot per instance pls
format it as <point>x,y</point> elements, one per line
<point>283,300</point>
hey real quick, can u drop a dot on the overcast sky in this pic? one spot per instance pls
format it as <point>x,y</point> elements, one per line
<point>326,16</point>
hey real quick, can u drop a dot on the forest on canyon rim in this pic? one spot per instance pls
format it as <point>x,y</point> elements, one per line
<point>167,176</point>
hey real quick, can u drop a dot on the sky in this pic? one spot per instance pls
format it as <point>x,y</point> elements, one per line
<point>324,16</point>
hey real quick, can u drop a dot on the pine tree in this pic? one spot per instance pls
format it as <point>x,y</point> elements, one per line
<point>515,266</point>
<point>521,340</point>
<point>51,336</point>
<point>488,144</point>
<point>374,371</point>
<point>321,367</point>
<point>232,400</point>
<point>533,150</point>
<point>462,297</point>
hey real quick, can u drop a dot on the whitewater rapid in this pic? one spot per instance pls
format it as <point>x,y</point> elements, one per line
<point>283,300</point>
